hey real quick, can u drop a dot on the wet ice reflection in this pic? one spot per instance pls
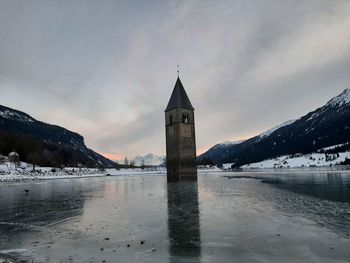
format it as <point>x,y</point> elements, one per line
<point>40,206</point>
<point>183,221</point>
<point>289,218</point>
<point>333,186</point>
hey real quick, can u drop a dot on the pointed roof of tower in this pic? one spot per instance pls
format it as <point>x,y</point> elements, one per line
<point>179,98</point>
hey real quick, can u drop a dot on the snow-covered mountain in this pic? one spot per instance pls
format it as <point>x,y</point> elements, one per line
<point>273,129</point>
<point>11,114</point>
<point>220,149</point>
<point>149,160</point>
<point>340,100</point>
<point>230,143</point>
<point>43,143</point>
<point>226,144</point>
<point>326,126</point>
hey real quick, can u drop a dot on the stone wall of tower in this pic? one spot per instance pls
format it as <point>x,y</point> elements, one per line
<point>180,145</point>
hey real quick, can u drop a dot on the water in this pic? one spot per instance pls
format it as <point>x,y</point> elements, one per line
<point>225,217</point>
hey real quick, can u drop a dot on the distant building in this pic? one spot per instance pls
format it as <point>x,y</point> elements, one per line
<point>180,136</point>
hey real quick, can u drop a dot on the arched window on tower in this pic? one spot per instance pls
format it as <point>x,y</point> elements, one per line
<point>171,119</point>
<point>185,118</point>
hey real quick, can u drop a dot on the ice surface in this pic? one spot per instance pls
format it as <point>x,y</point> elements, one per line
<point>225,217</point>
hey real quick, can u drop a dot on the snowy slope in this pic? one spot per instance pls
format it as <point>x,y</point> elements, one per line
<point>149,160</point>
<point>334,147</point>
<point>299,160</point>
<point>11,114</point>
<point>324,127</point>
<point>338,103</point>
<point>340,100</point>
<point>229,143</point>
<point>225,144</point>
<point>272,130</point>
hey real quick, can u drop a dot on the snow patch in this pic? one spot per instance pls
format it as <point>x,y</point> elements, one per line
<point>272,130</point>
<point>333,147</point>
<point>10,115</point>
<point>336,102</point>
<point>227,166</point>
<point>340,100</point>
<point>230,143</point>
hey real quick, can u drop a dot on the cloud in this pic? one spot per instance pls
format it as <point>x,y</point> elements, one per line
<point>106,69</point>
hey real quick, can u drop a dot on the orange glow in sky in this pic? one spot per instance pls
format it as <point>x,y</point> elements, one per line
<point>113,156</point>
<point>202,150</point>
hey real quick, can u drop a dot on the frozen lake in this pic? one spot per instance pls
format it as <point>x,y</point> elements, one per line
<point>225,217</point>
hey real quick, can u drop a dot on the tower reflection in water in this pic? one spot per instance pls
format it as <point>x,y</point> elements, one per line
<point>183,221</point>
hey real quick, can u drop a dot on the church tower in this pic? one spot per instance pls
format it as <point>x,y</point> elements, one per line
<point>180,136</point>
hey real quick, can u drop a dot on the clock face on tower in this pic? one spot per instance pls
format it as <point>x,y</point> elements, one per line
<point>185,130</point>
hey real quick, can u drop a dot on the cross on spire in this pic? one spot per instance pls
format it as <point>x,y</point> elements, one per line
<point>178,70</point>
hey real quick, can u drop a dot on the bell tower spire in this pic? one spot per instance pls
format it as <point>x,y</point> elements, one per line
<point>180,136</point>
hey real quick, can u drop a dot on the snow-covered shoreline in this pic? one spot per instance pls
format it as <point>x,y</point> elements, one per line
<point>23,172</point>
<point>75,173</point>
<point>48,173</point>
<point>35,177</point>
<point>299,160</point>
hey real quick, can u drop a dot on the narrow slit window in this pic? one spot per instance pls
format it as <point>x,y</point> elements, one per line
<point>171,119</point>
<point>185,118</point>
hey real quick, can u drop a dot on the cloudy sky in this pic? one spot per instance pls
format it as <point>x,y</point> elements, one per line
<point>106,69</point>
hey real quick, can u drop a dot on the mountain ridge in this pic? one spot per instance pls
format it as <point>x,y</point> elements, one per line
<point>50,144</point>
<point>327,125</point>
<point>149,160</point>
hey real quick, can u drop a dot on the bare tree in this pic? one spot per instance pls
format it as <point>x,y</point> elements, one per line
<point>3,159</point>
<point>34,158</point>
<point>14,158</point>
